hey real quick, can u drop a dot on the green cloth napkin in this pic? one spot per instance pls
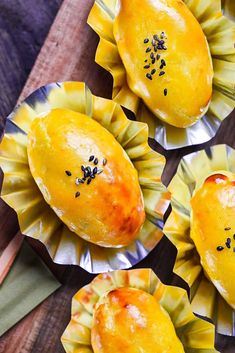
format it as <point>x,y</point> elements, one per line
<point>28,283</point>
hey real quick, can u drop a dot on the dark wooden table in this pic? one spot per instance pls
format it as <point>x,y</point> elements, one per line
<point>24,25</point>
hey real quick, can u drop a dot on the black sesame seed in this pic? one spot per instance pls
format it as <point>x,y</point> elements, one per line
<point>95,170</point>
<point>96,161</point>
<point>86,174</point>
<point>164,47</point>
<point>100,171</point>
<point>153,42</point>
<point>148,50</point>
<point>68,173</point>
<point>77,194</point>
<point>162,35</point>
<point>104,161</point>
<point>155,48</point>
<point>91,158</point>
<point>162,73</point>
<point>92,176</point>
<point>152,55</point>
<point>153,61</point>
<point>146,66</point>
<point>229,240</point>
<point>158,56</point>
<point>161,67</point>
<point>88,169</point>
<point>149,76</point>
<point>234,236</point>
<point>83,168</point>
<point>163,62</point>
<point>78,181</point>
<point>161,42</point>
<point>89,180</point>
<point>228,245</point>
<point>165,92</point>
<point>146,40</point>
<point>153,71</point>
<point>220,248</point>
<point>227,228</point>
<point>156,37</point>
<point>145,60</point>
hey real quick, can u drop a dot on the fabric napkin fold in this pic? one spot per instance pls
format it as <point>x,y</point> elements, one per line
<point>28,283</point>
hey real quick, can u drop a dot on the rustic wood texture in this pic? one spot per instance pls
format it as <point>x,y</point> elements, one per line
<point>68,54</point>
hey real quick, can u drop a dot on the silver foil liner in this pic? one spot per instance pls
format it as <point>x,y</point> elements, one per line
<point>216,19</point>
<point>192,171</point>
<point>35,216</point>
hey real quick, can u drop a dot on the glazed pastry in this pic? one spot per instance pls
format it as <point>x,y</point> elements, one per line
<point>212,230</point>
<point>130,320</point>
<point>86,177</point>
<point>166,58</point>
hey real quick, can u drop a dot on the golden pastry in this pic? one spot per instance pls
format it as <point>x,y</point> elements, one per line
<point>86,177</point>
<point>212,230</point>
<point>130,320</point>
<point>166,58</point>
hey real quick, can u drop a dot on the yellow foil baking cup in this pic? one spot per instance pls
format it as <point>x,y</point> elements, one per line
<point>191,173</point>
<point>35,216</point>
<point>195,334</point>
<point>217,22</point>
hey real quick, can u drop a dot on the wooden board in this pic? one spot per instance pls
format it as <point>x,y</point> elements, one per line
<point>68,54</point>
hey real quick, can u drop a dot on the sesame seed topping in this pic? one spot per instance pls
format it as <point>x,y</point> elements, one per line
<point>153,61</point>
<point>96,161</point>
<point>220,248</point>
<point>155,48</point>
<point>153,42</point>
<point>165,92</point>
<point>95,170</point>
<point>77,194</point>
<point>148,50</point>
<point>163,62</point>
<point>149,76</point>
<point>104,161</point>
<point>100,171</point>
<point>162,73</point>
<point>158,56</point>
<point>161,67</point>
<point>68,173</point>
<point>79,181</point>
<point>227,228</point>
<point>153,71</point>
<point>152,55</point>
<point>146,40</point>
<point>89,181</point>
<point>91,158</point>
<point>155,37</point>
<point>146,66</point>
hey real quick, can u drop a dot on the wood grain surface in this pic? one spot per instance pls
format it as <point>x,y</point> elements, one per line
<point>68,54</point>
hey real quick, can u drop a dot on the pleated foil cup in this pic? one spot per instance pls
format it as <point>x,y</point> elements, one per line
<point>195,334</point>
<point>217,22</point>
<point>192,171</point>
<point>38,220</point>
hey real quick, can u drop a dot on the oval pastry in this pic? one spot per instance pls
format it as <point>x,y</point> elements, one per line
<point>212,230</point>
<point>86,177</point>
<point>130,320</point>
<point>166,57</point>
